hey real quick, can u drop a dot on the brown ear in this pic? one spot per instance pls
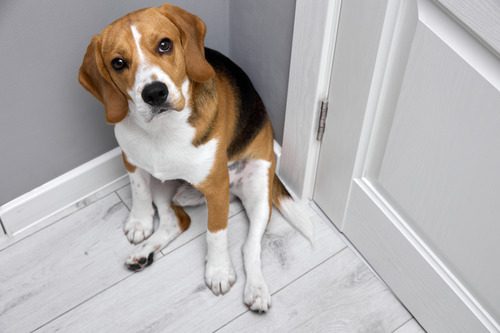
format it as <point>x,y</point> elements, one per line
<point>193,32</point>
<point>96,79</point>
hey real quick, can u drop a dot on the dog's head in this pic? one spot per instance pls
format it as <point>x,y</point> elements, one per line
<point>144,61</point>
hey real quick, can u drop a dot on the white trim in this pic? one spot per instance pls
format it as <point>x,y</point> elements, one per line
<point>50,198</point>
<point>412,270</point>
<point>314,206</point>
<point>38,206</point>
<point>308,85</point>
<point>426,253</point>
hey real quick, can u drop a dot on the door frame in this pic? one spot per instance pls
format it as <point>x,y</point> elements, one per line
<point>310,70</point>
<point>308,85</point>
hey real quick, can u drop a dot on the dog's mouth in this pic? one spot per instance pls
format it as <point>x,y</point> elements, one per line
<point>151,113</point>
<point>166,108</point>
<point>157,110</point>
<point>160,110</point>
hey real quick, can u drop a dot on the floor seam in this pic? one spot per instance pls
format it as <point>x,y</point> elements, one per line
<point>3,227</point>
<point>121,199</point>
<point>310,270</point>
<point>319,212</point>
<point>286,285</point>
<point>117,282</point>
<point>118,189</point>
<point>105,289</point>
<point>403,324</point>
<point>365,262</point>
<point>164,255</point>
<point>57,221</point>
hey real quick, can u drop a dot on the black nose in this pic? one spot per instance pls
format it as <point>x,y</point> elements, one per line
<point>155,93</point>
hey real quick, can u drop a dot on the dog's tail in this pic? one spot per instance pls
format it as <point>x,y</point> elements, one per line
<point>292,210</point>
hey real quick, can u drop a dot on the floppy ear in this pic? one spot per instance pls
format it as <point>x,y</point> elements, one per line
<point>193,32</point>
<point>96,79</point>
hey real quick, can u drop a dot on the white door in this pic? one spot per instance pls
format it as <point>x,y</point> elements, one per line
<point>409,166</point>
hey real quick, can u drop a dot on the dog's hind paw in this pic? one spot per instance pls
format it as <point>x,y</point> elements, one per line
<point>257,297</point>
<point>220,278</point>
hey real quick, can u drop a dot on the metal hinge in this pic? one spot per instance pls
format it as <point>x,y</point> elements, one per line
<point>322,120</point>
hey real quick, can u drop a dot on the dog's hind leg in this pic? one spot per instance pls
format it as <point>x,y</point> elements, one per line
<point>173,220</point>
<point>252,183</point>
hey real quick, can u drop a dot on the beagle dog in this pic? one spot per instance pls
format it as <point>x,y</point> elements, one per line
<point>191,128</point>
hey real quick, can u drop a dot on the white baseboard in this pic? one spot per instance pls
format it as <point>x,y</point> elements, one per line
<point>50,198</point>
<point>30,209</point>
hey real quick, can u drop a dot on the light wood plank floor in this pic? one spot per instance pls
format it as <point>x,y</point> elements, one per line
<point>67,275</point>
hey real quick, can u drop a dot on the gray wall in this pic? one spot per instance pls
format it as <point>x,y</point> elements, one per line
<point>260,42</point>
<point>48,123</point>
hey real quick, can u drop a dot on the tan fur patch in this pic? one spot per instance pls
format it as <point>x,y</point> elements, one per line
<point>183,218</point>
<point>279,191</point>
<point>129,166</point>
<point>204,111</point>
<point>95,77</point>
<point>216,191</point>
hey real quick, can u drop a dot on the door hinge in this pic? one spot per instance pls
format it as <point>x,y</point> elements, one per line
<point>322,120</point>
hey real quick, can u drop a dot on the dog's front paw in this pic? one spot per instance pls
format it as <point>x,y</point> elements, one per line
<point>138,230</point>
<point>220,277</point>
<point>139,260</point>
<point>256,295</point>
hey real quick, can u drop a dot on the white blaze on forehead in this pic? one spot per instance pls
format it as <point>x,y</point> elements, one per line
<point>144,75</point>
<point>137,39</point>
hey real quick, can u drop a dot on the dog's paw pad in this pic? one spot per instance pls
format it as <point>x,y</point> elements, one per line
<point>138,263</point>
<point>220,279</point>
<point>257,297</point>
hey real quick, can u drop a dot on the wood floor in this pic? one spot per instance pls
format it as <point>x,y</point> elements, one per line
<point>67,275</point>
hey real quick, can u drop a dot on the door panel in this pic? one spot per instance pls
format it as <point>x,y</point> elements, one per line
<point>439,165</point>
<point>422,205</point>
<point>480,17</point>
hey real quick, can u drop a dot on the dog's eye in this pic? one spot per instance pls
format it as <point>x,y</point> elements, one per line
<point>165,46</point>
<point>118,64</point>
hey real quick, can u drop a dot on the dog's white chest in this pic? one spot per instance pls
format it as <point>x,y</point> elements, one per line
<point>164,148</point>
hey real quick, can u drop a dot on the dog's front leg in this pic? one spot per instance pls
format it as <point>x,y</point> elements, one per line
<point>139,225</point>
<point>219,271</point>
<point>173,220</point>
